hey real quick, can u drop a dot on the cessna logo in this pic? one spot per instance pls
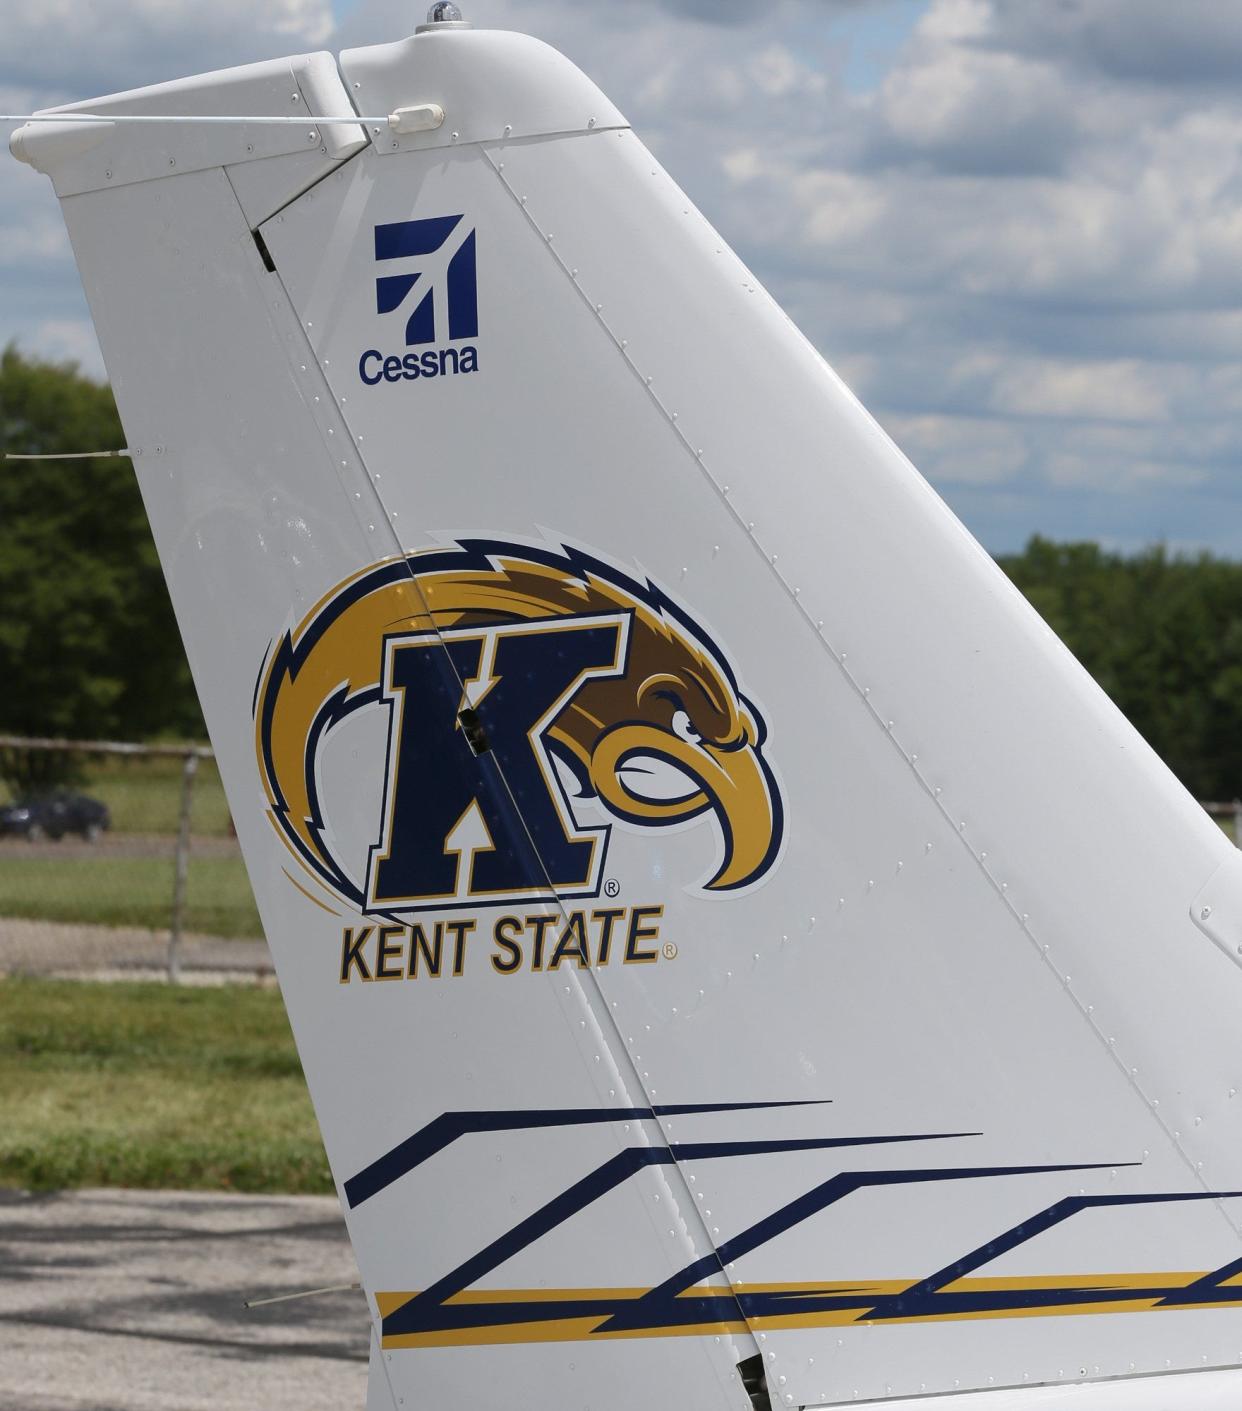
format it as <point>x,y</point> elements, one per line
<point>529,694</point>
<point>439,299</point>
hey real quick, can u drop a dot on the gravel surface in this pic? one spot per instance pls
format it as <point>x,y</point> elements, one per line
<point>125,952</point>
<point>132,1301</point>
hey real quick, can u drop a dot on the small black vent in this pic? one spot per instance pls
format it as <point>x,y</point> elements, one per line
<point>472,729</point>
<point>755,1380</point>
<point>265,254</point>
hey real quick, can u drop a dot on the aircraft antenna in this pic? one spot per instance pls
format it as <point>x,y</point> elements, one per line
<point>66,455</point>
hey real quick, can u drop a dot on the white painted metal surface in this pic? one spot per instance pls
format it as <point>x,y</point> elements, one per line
<point>261,158</point>
<point>490,83</point>
<point>1195,1391</point>
<point>786,795</point>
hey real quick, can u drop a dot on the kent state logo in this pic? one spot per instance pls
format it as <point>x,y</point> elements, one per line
<point>453,285</point>
<point>526,699</point>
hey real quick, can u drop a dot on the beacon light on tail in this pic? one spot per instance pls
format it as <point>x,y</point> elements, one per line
<point>734,950</point>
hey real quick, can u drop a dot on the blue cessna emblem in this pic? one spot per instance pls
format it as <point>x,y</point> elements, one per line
<point>410,239</point>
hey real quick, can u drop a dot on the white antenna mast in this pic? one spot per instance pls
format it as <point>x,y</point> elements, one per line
<point>416,118</point>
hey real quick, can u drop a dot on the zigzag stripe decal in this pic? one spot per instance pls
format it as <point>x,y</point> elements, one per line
<point>571,1315</point>
<point>699,1299</point>
<point>428,1141</point>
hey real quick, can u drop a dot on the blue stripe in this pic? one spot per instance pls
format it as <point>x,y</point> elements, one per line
<point>429,1310</point>
<point>650,1306</point>
<point>445,1129</point>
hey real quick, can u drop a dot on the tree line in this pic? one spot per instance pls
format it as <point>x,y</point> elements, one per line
<point>88,645</point>
<point>1162,634</point>
<point>89,648</point>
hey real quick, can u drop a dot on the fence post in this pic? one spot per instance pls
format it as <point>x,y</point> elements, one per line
<point>181,871</point>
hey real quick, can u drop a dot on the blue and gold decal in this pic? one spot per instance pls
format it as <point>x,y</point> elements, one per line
<point>701,1299</point>
<point>534,698</point>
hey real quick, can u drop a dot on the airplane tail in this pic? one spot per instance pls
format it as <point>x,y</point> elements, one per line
<point>733,947</point>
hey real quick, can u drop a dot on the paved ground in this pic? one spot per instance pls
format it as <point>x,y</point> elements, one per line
<point>124,952</point>
<point>131,1301</point>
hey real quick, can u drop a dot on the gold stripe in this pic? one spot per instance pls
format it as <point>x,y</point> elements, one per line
<point>307,895</point>
<point>271,818</point>
<point>861,1295</point>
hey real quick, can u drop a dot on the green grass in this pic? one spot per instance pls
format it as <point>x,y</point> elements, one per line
<point>144,794</point>
<point>129,891</point>
<point>152,1086</point>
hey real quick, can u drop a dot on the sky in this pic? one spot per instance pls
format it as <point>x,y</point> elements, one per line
<point>1013,226</point>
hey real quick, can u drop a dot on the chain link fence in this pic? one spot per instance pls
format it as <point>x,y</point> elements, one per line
<point>121,858</point>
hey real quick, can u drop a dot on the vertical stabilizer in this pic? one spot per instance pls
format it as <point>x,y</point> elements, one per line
<point>718,919</point>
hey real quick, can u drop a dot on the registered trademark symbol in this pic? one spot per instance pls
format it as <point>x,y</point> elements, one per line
<point>611,887</point>
<point>670,951</point>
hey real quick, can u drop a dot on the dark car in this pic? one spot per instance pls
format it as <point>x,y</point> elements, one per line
<point>54,815</point>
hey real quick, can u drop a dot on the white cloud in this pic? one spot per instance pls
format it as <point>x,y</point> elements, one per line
<point>31,235</point>
<point>1105,391</point>
<point>960,450</point>
<point>777,74</point>
<point>1148,41</point>
<point>82,50</point>
<point>743,164</point>
<point>1121,475</point>
<point>69,340</point>
<point>970,109</point>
